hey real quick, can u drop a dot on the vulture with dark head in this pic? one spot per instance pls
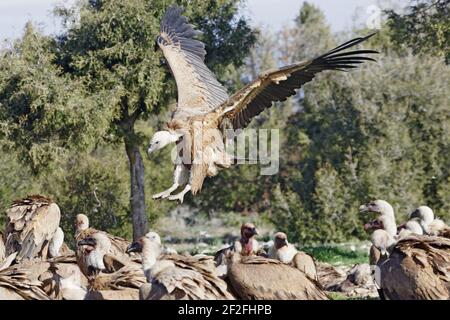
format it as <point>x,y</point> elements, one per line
<point>411,267</point>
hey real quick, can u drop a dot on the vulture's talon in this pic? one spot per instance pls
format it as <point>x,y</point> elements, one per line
<point>179,197</point>
<point>162,195</point>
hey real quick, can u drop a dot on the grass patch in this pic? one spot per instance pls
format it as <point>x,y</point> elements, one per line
<point>337,255</point>
<point>340,296</point>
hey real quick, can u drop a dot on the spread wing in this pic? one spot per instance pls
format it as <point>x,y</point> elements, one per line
<point>280,84</point>
<point>198,89</point>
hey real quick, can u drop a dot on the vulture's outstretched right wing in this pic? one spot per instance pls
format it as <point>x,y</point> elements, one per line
<point>198,89</point>
<point>278,85</point>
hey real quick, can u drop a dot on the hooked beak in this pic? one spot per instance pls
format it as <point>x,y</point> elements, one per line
<point>363,208</point>
<point>87,242</point>
<point>254,232</point>
<point>400,227</point>
<point>134,247</point>
<point>150,151</point>
<point>414,214</point>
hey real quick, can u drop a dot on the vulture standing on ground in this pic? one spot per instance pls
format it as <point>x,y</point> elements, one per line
<point>204,109</point>
<point>32,223</point>
<point>174,276</point>
<point>247,245</point>
<point>416,267</point>
<point>285,252</point>
<point>102,278</point>
<point>93,255</point>
<point>430,225</point>
<point>259,278</point>
<point>118,246</point>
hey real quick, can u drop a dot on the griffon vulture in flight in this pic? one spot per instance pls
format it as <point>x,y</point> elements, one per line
<point>204,109</point>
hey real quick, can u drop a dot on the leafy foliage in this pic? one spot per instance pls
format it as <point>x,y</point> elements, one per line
<point>425,27</point>
<point>68,104</point>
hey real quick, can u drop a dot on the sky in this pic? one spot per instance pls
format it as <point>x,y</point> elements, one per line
<point>270,13</point>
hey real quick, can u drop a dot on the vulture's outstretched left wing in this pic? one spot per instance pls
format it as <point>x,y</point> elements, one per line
<point>280,84</point>
<point>198,89</point>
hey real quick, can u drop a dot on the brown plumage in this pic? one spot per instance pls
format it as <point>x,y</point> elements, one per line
<point>329,276</point>
<point>60,277</point>
<point>285,252</point>
<point>259,278</point>
<point>116,256</point>
<point>204,109</point>
<point>247,245</point>
<point>418,268</point>
<point>174,276</point>
<point>103,271</point>
<point>15,284</point>
<point>32,222</point>
<point>128,277</point>
<point>2,248</point>
<point>93,254</point>
<point>374,255</point>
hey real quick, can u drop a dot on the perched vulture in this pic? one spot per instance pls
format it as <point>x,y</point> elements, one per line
<point>418,268</point>
<point>383,236</point>
<point>430,225</point>
<point>204,109</point>
<point>413,267</point>
<point>259,278</point>
<point>93,255</point>
<point>15,284</point>
<point>32,223</point>
<point>174,276</point>
<point>412,226</point>
<point>285,252</point>
<point>247,245</point>
<point>104,273</point>
<point>118,245</point>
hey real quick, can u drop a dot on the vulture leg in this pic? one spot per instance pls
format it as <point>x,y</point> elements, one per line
<point>179,179</point>
<point>180,196</point>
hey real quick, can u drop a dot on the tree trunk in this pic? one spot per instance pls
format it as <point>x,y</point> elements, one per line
<point>137,197</point>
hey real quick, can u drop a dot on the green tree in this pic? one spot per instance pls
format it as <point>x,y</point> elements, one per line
<point>98,79</point>
<point>425,27</point>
